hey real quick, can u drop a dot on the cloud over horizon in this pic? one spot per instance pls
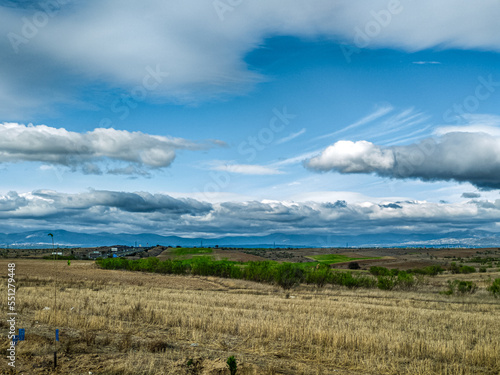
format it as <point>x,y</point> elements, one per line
<point>142,212</point>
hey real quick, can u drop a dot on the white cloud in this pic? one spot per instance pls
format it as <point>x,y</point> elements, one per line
<point>426,62</point>
<point>459,156</point>
<point>249,169</point>
<point>353,157</point>
<point>474,123</point>
<point>113,42</point>
<point>291,136</point>
<point>139,152</point>
<point>115,211</point>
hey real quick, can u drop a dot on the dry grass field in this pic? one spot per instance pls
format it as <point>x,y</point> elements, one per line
<point>122,322</point>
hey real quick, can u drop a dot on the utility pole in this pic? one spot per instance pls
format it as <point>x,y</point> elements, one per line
<point>55,299</point>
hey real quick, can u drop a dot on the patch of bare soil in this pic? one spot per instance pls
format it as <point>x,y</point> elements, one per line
<point>464,253</point>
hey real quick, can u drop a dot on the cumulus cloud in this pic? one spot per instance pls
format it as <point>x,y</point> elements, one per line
<point>136,212</point>
<point>129,202</point>
<point>458,156</point>
<point>353,157</point>
<point>57,146</point>
<point>203,50</point>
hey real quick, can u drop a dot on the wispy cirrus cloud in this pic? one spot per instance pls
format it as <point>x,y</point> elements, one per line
<point>291,137</point>
<point>426,62</point>
<point>376,114</point>
<point>248,169</point>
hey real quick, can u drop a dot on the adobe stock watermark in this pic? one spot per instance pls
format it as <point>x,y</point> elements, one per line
<point>266,135</point>
<point>415,157</point>
<point>223,6</point>
<point>471,103</point>
<point>30,26</point>
<point>220,180</point>
<point>364,36</point>
<point>11,314</point>
<point>121,107</point>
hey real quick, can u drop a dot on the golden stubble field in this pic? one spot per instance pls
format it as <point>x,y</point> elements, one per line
<point>120,322</point>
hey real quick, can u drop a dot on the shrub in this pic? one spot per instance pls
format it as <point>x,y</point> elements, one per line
<point>287,275</point>
<point>179,267</point>
<point>454,268</point>
<point>494,288</point>
<point>379,271</point>
<point>394,272</point>
<point>259,271</point>
<point>429,270</point>
<point>231,363</point>
<point>352,281</point>
<point>482,269</point>
<point>147,264</point>
<point>460,287</point>
<point>158,346</point>
<point>466,287</point>
<point>385,282</point>
<point>467,269</point>
<point>353,266</point>
<point>320,275</point>
<point>405,280</point>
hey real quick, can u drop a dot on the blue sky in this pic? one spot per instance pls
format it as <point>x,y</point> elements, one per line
<point>253,117</point>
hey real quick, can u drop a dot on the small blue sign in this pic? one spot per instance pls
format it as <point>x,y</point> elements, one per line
<point>21,334</point>
<point>57,334</point>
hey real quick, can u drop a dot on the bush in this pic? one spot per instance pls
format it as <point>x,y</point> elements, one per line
<point>353,266</point>
<point>460,287</point>
<point>405,280</point>
<point>482,269</point>
<point>147,264</point>
<point>454,268</point>
<point>461,269</point>
<point>467,269</point>
<point>494,288</point>
<point>379,271</point>
<point>352,281</point>
<point>429,270</point>
<point>259,271</point>
<point>394,272</point>
<point>385,282</point>
<point>287,275</point>
<point>179,267</point>
<point>321,275</point>
<point>231,363</point>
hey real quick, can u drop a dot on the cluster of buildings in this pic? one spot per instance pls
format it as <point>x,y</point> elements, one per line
<point>115,252</point>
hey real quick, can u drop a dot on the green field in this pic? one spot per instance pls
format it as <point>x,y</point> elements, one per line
<point>335,258</point>
<point>190,251</point>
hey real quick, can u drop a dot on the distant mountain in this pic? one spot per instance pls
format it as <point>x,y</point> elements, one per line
<point>64,238</point>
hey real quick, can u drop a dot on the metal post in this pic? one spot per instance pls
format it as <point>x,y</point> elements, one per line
<point>55,299</point>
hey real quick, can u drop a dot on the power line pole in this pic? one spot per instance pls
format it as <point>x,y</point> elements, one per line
<point>55,299</point>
